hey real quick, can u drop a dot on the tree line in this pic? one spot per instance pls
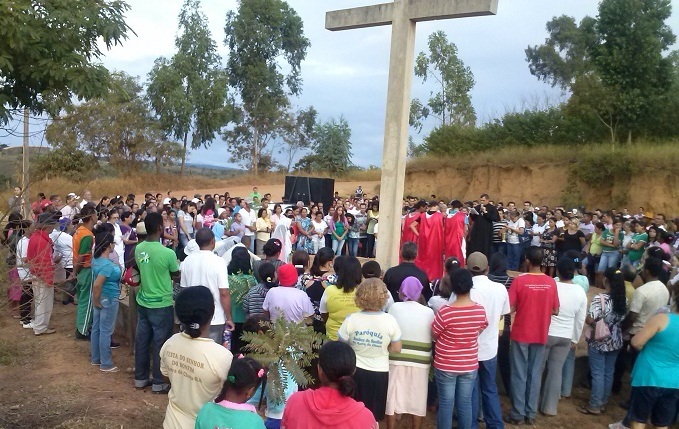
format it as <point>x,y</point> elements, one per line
<point>616,69</point>
<point>187,101</point>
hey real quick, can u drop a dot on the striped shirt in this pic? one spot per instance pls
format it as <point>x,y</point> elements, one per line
<point>253,302</point>
<point>456,330</point>
<point>415,321</point>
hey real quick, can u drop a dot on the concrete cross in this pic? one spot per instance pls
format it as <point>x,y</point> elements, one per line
<point>402,15</point>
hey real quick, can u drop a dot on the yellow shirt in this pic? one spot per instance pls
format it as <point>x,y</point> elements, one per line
<point>197,369</point>
<point>338,305</point>
<point>261,226</point>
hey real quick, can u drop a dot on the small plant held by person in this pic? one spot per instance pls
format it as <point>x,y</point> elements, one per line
<point>283,346</point>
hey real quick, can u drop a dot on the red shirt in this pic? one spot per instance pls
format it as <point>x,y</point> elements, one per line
<point>39,255</point>
<point>457,344</point>
<point>535,297</point>
<point>325,408</point>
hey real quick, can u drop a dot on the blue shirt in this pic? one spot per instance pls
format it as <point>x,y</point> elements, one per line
<point>109,269</point>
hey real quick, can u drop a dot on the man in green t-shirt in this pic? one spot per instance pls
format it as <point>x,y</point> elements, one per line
<point>157,268</point>
<point>636,246</point>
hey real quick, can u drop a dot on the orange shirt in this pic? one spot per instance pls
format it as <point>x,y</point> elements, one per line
<point>83,241</point>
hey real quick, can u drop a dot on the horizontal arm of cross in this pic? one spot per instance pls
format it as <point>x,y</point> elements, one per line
<point>417,10</point>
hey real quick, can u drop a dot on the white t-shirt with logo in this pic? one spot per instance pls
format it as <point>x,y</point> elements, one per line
<point>369,333</point>
<point>494,298</point>
<point>197,369</point>
<point>204,268</point>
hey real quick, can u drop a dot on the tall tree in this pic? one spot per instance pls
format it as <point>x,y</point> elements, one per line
<point>261,36</point>
<point>632,36</point>
<point>613,65</point>
<point>451,103</point>
<point>300,133</point>
<point>50,52</point>
<point>565,55</point>
<point>332,150</point>
<point>117,127</point>
<point>189,92</point>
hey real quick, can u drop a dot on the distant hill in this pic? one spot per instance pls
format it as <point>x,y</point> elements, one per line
<point>11,158</point>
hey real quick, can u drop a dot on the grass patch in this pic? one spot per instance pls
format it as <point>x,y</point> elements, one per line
<point>15,352</point>
<point>618,160</point>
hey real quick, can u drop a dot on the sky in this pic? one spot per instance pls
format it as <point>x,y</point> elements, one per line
<point>345,72</point>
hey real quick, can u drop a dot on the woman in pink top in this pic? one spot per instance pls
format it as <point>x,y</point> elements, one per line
<point>456,330</point>
<point>330,406</point>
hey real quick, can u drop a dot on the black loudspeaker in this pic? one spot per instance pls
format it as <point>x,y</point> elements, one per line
<point>309,189</point>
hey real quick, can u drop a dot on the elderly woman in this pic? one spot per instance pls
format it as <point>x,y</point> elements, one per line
<point>373,334</point>
<point>409,370</point>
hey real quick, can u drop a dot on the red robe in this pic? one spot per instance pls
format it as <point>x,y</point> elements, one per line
<point>407,234</point>
<point>454,236</point>
<point>430,245</point>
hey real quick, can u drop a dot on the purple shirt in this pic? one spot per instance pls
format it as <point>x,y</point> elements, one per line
<point>288,302</point>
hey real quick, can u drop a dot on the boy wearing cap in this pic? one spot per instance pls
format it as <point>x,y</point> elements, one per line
<point>494,298</point>
<point>41,266</point>
<point>409,369</point>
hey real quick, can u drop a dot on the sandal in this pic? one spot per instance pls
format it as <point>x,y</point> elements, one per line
<point>587,410</point>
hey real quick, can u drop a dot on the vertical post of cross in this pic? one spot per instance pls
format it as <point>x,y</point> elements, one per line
<point>403,16</point>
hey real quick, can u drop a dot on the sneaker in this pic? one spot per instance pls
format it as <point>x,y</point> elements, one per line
<point>48,331</point>
<point>114,345</point>
<point>114,369</point>
<point>617,425</point>
<point>27,325</point>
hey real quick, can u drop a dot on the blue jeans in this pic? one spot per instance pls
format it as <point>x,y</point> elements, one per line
<point>602,367</point>
<point>608,260</point>
<point>337,246</point>
<point>454,389</point>
<point>490,399</point>
<point>567,375</point>
<point>154,325</point>
<point>500,247</point>
<point>103,324</point>
<point>526,364</point>
<point>513,256</point>
<point>353,246</point>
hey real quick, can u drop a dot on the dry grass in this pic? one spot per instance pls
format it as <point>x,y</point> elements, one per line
<point>644,155</point>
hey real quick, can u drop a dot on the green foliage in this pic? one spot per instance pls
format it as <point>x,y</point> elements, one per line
<point>50,51</point>
<point>117,127</point>
<point>189,92</point>
<point>283,346</point>
<point>613,65</point>
<point>632,35</point>
<point>300,133</point>
<point>452,103</point>
<point>565,54</point>
<point>261,36</point>
<point>332,149</point>
<point>67,161</point>
<point>595,168</point>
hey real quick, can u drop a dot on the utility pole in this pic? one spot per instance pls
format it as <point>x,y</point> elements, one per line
<point>26,209</point>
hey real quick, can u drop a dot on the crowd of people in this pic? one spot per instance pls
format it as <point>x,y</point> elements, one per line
<point>481,288</point>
